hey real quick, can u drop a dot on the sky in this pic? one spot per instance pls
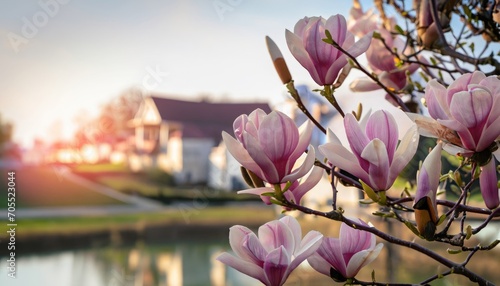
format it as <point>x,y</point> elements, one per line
<point>64,59</point>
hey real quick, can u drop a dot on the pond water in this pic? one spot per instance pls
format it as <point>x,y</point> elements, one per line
<point>192,262</point>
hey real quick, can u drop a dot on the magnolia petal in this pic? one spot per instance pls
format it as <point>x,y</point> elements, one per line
<point>363,84</point>
<point>361,259</point>
<point>254,250</point>
<point>237,235</point>
<point>309,244</point>
<point>489,134</point>
<point>426,126</point>
<point>354,240</point>
<point>334,69</point>
<point>463,133</point>
<point>302,24</point>
<point>294,226</point>
<point>462,83</point>
<point>431,166</point>
<point>435,97</point>
<point>305,134</point>
<point>240,154</point>
<point>469,110</point>
<point>278,137</point>
<point>489,184</point>
<point>455,150</point>
<point>319,264</point>
<point>339,156</point>
<point>276,265</point>
<point>492,83</point>
<point>376,154</point>
<point>311,181</point>
<point>267,170</point>
<point>259,192</point>
<point>332,138</point>
<point>360,46</point>
<point>404,153</point>
<point>304,168</point>
<point>243,266</point>
<point>331,251</point>
<point>297,49</point>
<point>356,137</point>
<point>383,126</point>
<point>256,191</point>
<point>337,25</point>
<point>239,126</point>
<point>275,234</point>
<point>257,116</point>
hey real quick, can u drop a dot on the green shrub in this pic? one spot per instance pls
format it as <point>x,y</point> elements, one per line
<point>159,176</point>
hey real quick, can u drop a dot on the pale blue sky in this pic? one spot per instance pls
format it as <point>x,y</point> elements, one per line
<point>76,56</point>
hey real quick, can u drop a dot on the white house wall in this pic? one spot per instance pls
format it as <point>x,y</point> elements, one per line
<point>171,160</point>
<point>195,154</point>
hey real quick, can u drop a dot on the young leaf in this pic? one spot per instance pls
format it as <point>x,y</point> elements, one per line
<point>399,30</point>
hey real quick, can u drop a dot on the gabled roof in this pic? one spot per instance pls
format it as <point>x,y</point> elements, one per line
<point>203,119</point>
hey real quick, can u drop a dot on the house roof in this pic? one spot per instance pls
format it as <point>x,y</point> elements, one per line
<point>203,119</point>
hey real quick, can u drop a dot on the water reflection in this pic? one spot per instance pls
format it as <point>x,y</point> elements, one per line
<point>193,263</point>
<point>181,264</point>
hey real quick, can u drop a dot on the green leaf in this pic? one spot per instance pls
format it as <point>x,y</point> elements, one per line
<point>441,219</point>
<point>268,194</point>
<point>471,46</point>
<point>399,30</point>
<point>412,228</point>
<point>468,232</point>
<point>376,35</point>
<point>370,192</point>
<point>433,61</point>
<point>454,251</point>
<point>467,11</point>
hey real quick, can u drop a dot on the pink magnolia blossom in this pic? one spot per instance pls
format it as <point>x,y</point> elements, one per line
<point>381,60</point>
<point>374,159</point>
<point>470,106</point>
<point>270,144</point>
<point>427,184</point>
<point>296,190</point>
<point>271,256</point>
<point>466,116</point>
<point>347,254</point>
<point>322,60</point>
<point>489,184</point>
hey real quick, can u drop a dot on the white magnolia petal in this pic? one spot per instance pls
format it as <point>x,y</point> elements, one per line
<point>361,259</point>
<point>243,266</point>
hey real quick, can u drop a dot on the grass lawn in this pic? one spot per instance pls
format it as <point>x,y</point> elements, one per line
<point>44,186</point>
<point>187,214</point>
<point>119,178</point>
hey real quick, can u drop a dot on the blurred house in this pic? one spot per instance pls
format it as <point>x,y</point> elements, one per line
<point>179,137</point>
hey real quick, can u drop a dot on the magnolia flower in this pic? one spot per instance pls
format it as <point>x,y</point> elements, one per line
<point>425,199</point>
<point>470,106</point>
<point>347,254</point>
<point>489,184</point>
<point>269,145</point>
<point>374,158</point>
<point>466,116</point>
<point>322,60</point>
<point>380,54</point>
<point>296,190</point>
<point>274,254</point>
<point>361,23</point>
